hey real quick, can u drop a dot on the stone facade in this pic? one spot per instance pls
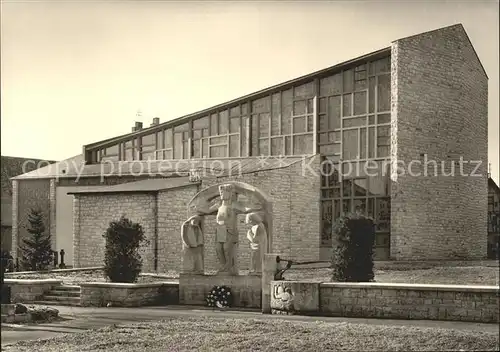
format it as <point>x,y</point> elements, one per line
<point>245,289</point>
<point>29,291</point>
<point>423,302</point>
<point>439,112</point>
<point>295,219</point>
<point>128,295</point>
<point>296,216</point>
<point>95,212</point>
<point>172,212</point>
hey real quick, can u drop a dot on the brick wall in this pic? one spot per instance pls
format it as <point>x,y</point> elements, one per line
<point>296,218</point>
<point>439,108</point>
<point>296,215</point>
<point>432,302</point>
<point>172,212</point>
<point>92,216</point>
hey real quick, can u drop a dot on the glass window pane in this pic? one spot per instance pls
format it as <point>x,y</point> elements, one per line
<point>384,93</point>
<point>348,80</point>
<point>360,206</point>
<point>326,219</point>
<point>350,144</point>
<point>360,186</point>
<point>354,122</point>
<point>347,185</point>
<point>379,178</point>
<point>334,112</point>
<point>383,214</point>
<point>346,206</point>
<point>360,103</point>
<point>347,105</point>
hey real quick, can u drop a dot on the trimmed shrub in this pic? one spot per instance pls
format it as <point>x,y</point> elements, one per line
<point>122,261</point>
<point>353,241</point>
<point>36,250</point>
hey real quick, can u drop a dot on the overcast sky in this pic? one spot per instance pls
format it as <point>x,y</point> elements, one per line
<point>76,73</point>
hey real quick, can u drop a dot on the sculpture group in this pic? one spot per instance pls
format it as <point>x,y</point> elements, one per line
<point>226,206</point>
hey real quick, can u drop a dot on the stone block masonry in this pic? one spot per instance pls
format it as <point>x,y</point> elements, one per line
<point>402,301</point>
<point>439,113</point>
<point>172,212</point>
<point>295,193</point>
<point>392,301</point>
<point>296,219</point>
<point>100,294</point>
<point>29,291</point>
<point>92,216</point>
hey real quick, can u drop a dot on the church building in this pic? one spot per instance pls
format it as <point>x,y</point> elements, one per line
<point>399,134</point>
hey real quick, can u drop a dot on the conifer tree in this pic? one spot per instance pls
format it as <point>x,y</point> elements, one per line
<point>36,249</point>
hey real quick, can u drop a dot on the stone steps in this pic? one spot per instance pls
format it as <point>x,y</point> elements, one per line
<point>63,295</point>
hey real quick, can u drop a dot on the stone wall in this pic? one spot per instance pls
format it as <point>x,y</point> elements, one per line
<point>404,301</point>
<point>92,215</point>
<point>172,212</point>
<point>245,289</point>
<point>296,218</point>
<point>295,192</point>
<point>392,301</point>
<point>128,295</point>
<point>440,113</point>
<point>29,291</point>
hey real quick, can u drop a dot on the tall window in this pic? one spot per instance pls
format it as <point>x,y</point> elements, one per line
<point>354,139</point>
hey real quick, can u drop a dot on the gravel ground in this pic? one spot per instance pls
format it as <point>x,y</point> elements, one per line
<point>215,334</point>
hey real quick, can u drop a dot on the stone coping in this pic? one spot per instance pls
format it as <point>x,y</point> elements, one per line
<point>221,275</point>
<point>128,285</point>
<point>54,271</point>
<point>402,286</point>
<point>32,281</point>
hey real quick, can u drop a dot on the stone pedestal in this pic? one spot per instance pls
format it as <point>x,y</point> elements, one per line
<point>269,267</point>
<point>294,297</point>
<point>246,289</point>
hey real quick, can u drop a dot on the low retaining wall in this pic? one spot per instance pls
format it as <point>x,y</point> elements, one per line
<point>99,294</point>
<point>246,289</point>
<point>70,270</point>
<point>394,301</point>
<point>29,291</point>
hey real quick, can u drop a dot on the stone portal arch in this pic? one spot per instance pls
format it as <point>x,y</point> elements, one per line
<point>203,200</point>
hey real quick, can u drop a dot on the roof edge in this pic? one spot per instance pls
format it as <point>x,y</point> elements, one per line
<point>150,191</point>
<point>254,95</point>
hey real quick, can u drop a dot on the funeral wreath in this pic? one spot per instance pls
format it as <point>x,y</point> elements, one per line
<point>220,297</point>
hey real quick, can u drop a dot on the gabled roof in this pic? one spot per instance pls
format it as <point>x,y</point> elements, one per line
<point>144,186</point>
<point>75,167</point>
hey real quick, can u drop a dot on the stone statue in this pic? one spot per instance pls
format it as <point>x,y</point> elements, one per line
<point>257,236</point>
<point>192,243</point>
<point>226,237</point>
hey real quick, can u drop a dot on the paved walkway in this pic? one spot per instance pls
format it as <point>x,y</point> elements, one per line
<point>77,319</point>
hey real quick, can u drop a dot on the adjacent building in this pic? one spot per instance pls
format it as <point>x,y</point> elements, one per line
<point>419,105</point>
<point>10,167</point>
<point>493,219</point>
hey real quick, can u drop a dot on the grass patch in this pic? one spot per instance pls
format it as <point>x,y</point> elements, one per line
<point>445,273</point>
<point>213,334</point>
<point>439,274</point>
